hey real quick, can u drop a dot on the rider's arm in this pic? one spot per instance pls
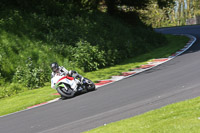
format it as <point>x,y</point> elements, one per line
<point>52,74</point>
<point>65,71</point>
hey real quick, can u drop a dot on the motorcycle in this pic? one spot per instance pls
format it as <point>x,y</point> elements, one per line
<point>67,86</point>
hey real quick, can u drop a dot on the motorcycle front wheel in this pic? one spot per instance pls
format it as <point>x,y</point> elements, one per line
<point>69,93</point>
<point>90,85</point>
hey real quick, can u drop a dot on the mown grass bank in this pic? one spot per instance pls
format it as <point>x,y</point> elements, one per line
<point>183,117</point>
<point>31,97</point>
<point>75,38</point>
<point>26,99</point>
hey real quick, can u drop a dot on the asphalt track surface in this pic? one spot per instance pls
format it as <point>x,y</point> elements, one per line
<point>173,81</point>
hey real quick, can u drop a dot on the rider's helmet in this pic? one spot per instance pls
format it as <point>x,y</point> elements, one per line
<point>54,67</point>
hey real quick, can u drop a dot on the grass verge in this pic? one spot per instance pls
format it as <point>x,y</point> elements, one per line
<point>183,117</point>
<point>175,44</point>
<point>26,99</point>
<point>32,97</point>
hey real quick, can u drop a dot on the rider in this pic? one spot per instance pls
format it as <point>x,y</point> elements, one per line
<point>60,70</point>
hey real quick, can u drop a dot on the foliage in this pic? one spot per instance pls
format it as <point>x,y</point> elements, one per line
<point>155,16</point>
<point>40,95</point>
<point>1,78</point>
<point>165,3</point>
<point>174,44</point>
<point>165,12</point>
<point>75,36</point>
<point>30,75</point>
<point>176,13</point>
<point>11,89</point>
<point>113,6</point>
<point>88,57</point>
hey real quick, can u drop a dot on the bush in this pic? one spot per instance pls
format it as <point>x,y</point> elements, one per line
<point>30,76</point>
<point>2,80</point>
<point>11,89</point>
<point>88,57</point>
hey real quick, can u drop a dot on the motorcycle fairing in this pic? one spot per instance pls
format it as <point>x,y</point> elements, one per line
<point>58,80</point>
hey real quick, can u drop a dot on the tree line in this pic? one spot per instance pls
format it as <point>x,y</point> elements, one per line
<point>51,6</point>
<point>175,14</point>
<point>157,13</point>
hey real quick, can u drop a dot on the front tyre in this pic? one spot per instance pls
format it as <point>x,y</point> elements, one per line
<point>90,86</point>
<point>69,93</point>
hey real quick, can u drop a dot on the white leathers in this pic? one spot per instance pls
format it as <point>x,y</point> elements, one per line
<point>60,72</point>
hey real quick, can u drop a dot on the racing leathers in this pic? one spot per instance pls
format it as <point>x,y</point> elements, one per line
<point>61,71</point>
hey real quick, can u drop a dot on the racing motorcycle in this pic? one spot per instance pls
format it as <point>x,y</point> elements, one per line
<point>67,86</point>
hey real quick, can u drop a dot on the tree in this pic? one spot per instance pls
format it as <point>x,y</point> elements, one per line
<point>164,3</point>
<point>112,5</point>
<point>196,5</point>
<point>157,16</point>
<point>51,7</point>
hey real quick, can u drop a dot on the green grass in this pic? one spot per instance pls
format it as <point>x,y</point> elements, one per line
<point>183,117</point>
<point>175,44</point>
<point>31,97</point>
<point>26,99</point>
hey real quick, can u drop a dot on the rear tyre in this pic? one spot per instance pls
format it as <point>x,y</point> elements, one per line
<point>69,93</point>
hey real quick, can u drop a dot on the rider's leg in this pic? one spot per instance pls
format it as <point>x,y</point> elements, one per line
<point>77,76</point>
